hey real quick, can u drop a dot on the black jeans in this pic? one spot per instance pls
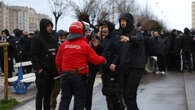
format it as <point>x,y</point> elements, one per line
<point>44,86</point>
<point>113,90</point>
<point>10,66</point>
<point>73,84</point>
<point>115,102</point>
<point>161,61</point>
<point>187,60</point>
<point>90,84</point>
<point>132,79</point>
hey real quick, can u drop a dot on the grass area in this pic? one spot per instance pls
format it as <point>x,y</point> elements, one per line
<point>7,104</point>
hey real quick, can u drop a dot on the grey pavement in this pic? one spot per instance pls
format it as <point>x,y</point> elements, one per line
<point>190,90</point>
<point>162,92</point>
<point>19,97</point>
<point>175,91</point>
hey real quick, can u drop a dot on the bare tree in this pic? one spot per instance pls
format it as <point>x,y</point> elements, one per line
<point>57,8</point>
<point>148,20</point>
<point>102,11</point>
<point>92,11</point>
<point>82,12</point>
<point>126,6</point>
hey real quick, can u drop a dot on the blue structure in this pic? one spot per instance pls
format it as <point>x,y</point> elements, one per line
<point>20,87</point>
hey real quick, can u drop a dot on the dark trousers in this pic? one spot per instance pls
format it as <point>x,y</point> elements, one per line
<point>132,79</point>
<point>193,59</point>
<point>73,84</point>
<point>187,60</point>
<point>115,102</point>
<point>90,84</point>
<point>10,66</point>
<point>113,90</point>
<point>161,61</point>
<point>44,86</point>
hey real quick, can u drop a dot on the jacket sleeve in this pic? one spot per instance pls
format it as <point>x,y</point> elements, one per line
<point>93,57</point>
<point>35,47</point>
<point>58,59</point>
<point>98,49</point>
<point>136,37</point>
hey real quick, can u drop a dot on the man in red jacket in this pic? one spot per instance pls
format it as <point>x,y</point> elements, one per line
<point>73,54</point>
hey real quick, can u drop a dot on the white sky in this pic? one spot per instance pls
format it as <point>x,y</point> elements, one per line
<point>175,13</point>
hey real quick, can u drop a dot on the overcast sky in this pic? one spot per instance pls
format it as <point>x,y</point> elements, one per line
<point>175,13</point>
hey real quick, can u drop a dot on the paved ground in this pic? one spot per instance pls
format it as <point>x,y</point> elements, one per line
<point>11,93</point>
<point>175,91</point>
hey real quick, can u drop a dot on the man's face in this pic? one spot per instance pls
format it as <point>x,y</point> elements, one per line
<point>25,32</point>
<point>162,33</point>
<point>4,35</point>
<point>156,34</point>
<point>62,39</point>
<point>88,33</point>
<point>49,28</point>
<point>30,36</point>
<point>176,33</point>
<point>105,31</point>
<point>123,23</point>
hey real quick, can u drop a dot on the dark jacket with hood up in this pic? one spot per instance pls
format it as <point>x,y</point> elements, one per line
<point>187,41</point>
<point>132,53</point>
<point>44,50</point>
<point>109,44</point>
<point>19,44</point>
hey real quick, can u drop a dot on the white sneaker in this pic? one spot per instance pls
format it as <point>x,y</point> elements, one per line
<point>163,72</point>
<point>158,72</point>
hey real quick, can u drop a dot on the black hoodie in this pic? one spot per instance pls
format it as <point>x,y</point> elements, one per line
<point>44,49</point>
<point>132,53</point>
<point>187,41</point>
<point>130,24</point>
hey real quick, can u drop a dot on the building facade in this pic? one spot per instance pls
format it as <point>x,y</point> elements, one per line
<point>193,15</point>
<point>24,18</point>
<point>4,17</point>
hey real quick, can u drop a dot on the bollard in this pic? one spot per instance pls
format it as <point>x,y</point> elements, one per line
<point>5,49</point>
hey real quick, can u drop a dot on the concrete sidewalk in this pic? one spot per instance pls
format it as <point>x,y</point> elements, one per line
<point>31,93</point>
<point>175,91</point>
<point>190,90</point>
<point>19,97</point>
<point>158,92</point>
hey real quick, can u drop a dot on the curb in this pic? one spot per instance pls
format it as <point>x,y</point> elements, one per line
<point>188,80</point>
<point>22,103</point>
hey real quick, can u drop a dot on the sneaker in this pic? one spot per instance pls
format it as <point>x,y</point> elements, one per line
<point>158,72</point>
<point>163,72</point>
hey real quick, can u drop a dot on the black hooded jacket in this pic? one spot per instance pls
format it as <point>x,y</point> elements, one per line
<point>132,53</point>
<point>130,24</point>
<point>19,44</point>
<point>44,49</point>
<point>11,47</point>
<point>187,41</point>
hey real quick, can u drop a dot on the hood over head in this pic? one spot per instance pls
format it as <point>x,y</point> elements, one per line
<point>186,31</point>
<point>130,22</point>
<point>43,24</point>
<point>17,32</point>
<point>110,25</point>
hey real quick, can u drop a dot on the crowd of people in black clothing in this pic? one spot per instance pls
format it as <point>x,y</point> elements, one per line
<point>127,51</point>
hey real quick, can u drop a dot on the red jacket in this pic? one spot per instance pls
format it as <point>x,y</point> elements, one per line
<point>76,54</point>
